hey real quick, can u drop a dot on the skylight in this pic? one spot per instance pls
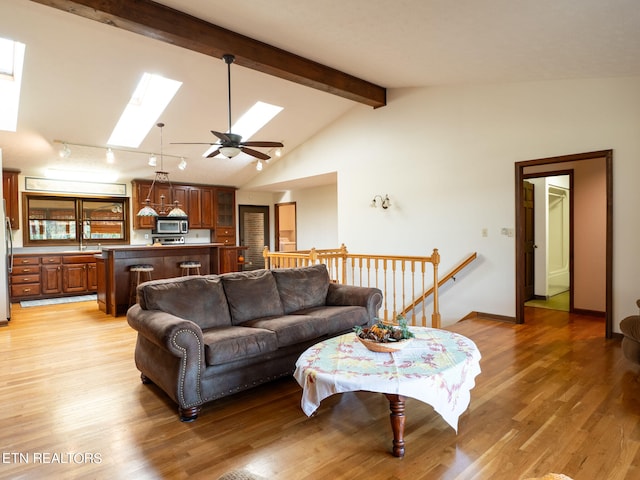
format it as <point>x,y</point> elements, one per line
<point>151,97</point>
<point>253,120</point>
<point>11,62</point>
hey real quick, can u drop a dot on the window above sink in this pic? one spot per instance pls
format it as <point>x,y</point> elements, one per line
<point>74,220</point>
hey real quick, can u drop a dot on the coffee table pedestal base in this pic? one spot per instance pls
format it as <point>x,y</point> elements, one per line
<point>396,405</point>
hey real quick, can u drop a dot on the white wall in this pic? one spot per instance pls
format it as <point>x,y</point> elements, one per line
<point>446,157</point>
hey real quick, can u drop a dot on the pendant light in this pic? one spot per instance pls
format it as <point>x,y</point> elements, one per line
<point>161,208</point>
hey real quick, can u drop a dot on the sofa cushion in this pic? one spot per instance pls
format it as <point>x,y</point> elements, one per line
<point>251,295</point>
<point>337,319</point>
<point>291,329</point>
<point>302,287</point>
<point>228,344</point>
<point>199,299</point>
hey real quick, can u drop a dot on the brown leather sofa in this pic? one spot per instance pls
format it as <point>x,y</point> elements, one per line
<point>630,327</point>
<point>204,337</point>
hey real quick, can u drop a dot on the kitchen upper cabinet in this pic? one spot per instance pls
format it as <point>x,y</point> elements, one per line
<point>10,195</point>
<point>198,202</point>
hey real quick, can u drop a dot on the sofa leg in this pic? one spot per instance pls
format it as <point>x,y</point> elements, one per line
<point>188,414</point>
<point>145,380</point>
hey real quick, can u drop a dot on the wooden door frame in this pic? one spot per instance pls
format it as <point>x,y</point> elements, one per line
<point>519,177</point>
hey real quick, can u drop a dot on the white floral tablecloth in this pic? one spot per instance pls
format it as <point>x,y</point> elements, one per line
<point>437,367</point>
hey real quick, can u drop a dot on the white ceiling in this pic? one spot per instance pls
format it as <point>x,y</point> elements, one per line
<point>80,73</point>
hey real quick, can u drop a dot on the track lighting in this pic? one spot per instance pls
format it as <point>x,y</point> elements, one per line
<point>153,161</point>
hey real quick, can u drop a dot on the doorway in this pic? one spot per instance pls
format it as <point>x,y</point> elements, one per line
<point>254,234</point>
<point>286,234</point>
<point>548,240</point>
<point>601,163</point>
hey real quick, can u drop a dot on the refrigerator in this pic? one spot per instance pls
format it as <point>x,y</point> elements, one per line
<point>6,263</point>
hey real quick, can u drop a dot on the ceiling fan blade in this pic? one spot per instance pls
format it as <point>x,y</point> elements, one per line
<point>262,144</point>
<point>214,153</point>
<point>193,143</point>
<point>221,136</point>
<point>255,153</point>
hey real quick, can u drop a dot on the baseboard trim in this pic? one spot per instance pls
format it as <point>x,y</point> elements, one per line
<point>489,316</point>
<point>591,313</point>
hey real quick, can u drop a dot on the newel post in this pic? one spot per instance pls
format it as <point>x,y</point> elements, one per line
<point>265,254</point>
<point>343,254</point>
<point>435,318</point>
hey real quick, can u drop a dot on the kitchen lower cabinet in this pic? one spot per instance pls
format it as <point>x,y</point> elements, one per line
<point>37,276</point>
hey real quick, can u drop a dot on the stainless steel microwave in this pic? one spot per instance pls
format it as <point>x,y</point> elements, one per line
<point>171,225</point>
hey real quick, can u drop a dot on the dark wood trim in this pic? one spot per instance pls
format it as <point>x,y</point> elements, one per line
<point>177,28</point>
<point>519,261</point>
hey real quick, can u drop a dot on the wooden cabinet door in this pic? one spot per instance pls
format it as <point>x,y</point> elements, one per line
<point>74,278</point>
<point>140,192</point>
<point>92,277</point>
<point>225,204</point>
<point>195,212</point>
<point>50,279</point>
<point>10,194</point>
<point>182,193</point>
<point>206,208</point>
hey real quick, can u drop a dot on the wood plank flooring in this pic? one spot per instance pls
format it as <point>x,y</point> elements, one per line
<point>554,396</point>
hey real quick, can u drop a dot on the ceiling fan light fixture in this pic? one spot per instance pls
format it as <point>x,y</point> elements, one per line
<point>229,152</point>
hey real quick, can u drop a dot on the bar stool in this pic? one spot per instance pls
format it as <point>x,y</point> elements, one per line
<point>189,265</point>
<point>135,280</point>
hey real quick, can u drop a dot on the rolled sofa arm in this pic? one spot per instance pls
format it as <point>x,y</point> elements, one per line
<point>368,297</point>
<point>163,329</point>
<point>170,351</point>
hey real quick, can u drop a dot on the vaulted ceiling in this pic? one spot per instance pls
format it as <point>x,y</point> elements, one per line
<point>80,72</point>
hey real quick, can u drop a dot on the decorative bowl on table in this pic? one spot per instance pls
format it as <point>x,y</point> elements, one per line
<point>385,337</point>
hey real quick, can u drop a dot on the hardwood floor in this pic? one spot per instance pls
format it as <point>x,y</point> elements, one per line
<point>554,396</point>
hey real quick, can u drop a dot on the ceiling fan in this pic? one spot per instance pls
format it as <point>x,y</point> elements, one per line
<point>231,144</point>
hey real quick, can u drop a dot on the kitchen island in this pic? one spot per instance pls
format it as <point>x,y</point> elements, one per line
<point>113,267</point>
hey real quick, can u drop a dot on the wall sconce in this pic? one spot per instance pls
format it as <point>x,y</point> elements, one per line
<point>110,156</point>
<point>379,201</point>
<point>65,151</point>
<point>259,165</point>
<point>183,163</point>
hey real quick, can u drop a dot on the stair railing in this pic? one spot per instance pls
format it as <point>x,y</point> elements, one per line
<point>402,279</point>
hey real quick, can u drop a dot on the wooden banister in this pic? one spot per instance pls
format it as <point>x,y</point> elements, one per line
<point>397,276</point>
<point>441,282</point>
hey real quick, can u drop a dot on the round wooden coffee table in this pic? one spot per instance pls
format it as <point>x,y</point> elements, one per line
<point>438,367</point>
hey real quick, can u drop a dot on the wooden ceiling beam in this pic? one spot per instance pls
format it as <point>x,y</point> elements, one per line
<point>172,26</point>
